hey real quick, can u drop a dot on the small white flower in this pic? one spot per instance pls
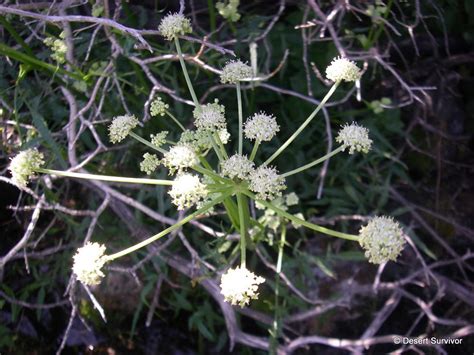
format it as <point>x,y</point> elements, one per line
<point>266,183</point>
<point>291,199</point>
<point>159,139</point>
<point>343,69</point>
<point>88,262</point>
<point>149,163</point>
<point>224,135</point>
<point>158,107</point>
<point>23,166</point>
<point>180,157</point>
<point>237,166</point>
<point>382,239</point>
<point>239,286</point>
<point>121,127</point>
<point>354,137</point>
<point>174,25</point>
<point>235,71</point>
<point>261,127</point>
<point>210,116</point>
<point>187,190</point>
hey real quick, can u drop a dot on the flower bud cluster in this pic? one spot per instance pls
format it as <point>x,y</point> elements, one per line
<point>210,117</point>
<point>121,127</point>
<point>24,164</point>
<point>158,107</point>
<point>149,163</point>
<point>382,239</point>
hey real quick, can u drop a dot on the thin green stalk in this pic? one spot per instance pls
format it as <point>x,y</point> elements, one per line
<point>313,163</point>
<point>215,147</point>
<point>175,226</point>
<point>303,126</point>
<point>300,221</point>
<point>105,177</point>
<point>243,228</point>
<point>185,72</point>
<point>175,120</point>
<point>239,106</point>
<point>147,143</point>
<point>212,174</point>
<point>276,321</point>
<point>254,149</point>
<point>221,145</point>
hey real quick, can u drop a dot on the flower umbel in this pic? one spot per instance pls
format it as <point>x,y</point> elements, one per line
<point>149,163</point>
<point>237,166</point>
<point>180,157</point>
<point>235,71</point>
<point>121,127</point>
<point>343,69</point>
<point>158,139</point>
<point>266,183</point>
<point>239,286</point>
<point>187,191</point>
<point>354,137</point>
<point>174,25</point>
<point>88,262</point>
<point>210,116</point>
<point>24,164</point>
<point>382,239</point>
<point>158,107</point>
<point>261,127</point>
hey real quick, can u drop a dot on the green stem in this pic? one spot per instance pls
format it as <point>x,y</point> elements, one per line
<point>175,226</point>
<point>212,174</point>
<point>313,163</point>
<point>239,106</point>
<point>105,177</point>
<point>147,143</point>
<point>215,147</point>
<point>276,321</point>
<point>302,222</point>
<point>175,120</point>
<point>221,145</point>
<point>243,228</point>
<point>185,72</point>
<point>254,150</point>
<point>303,126</point>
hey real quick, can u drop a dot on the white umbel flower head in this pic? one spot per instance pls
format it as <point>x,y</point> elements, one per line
<point>180,157</point>
<point>149,163</point>
<point>158,107</point>
<point>237,166</point>
<point>382,239</point>
<point>239,286</point>
<point>343,69</point>
<point>266,183</point>
<point>23,166</point>
<point>354,137</point>
<point>261,127</point>
<point>174,25</point>
<point>210,116</point>
<point>187,190</point>
<point>121,127</point>
<point>235,71</point>
<point>88,263</point>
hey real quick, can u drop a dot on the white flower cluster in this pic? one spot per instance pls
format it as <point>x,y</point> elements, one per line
<point>237,166</point>
<point>354,137</point>
<point>121,127</point>
<point>261,127</point>
<point>266,183</point>
<point>180,157</point>
<point>235,71</point>
<point>88,263</point>
<point>149,163</point>
<point>200,141</point>
<point>58,48</point>
<point>210,116</point>
<point>239,286</point>
<point>187,190</point>
<point>158,107</point>
<point>382,239</point>
<point>343,69</point>
<point>174,25</point>
<point>24,164</point>
<point>158,139</point>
